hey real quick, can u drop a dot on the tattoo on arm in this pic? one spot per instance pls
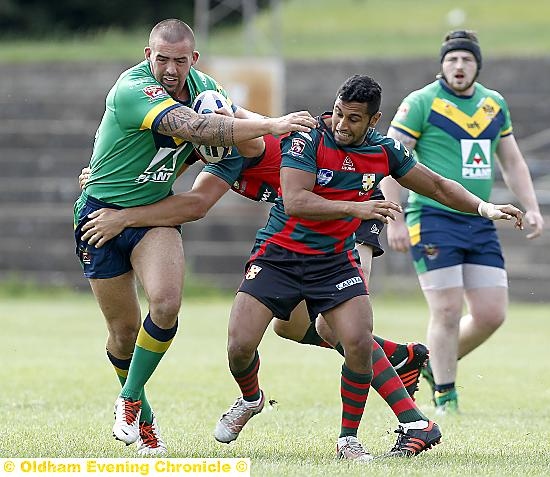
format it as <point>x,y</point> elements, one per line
<point>210,130</point>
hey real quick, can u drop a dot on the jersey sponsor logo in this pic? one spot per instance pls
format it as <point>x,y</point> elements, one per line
<point>476,162</point>
<point>155,91</point>
<point>348,164</point>
<point>375,230</point>
<point>349,282</point>
<point>162,166</point>
<point>266,195</point>
<point>252,272</point>
<point>297,146</point>
<point>324,176</point>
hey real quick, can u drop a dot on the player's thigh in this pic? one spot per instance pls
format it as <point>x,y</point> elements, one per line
<point>118,300</point>
<point>296,327</point>
<point>486,291</point>
<point>248,321</point>
<point>159,264</point>
<point>365,255</point>
<point>351,320</point>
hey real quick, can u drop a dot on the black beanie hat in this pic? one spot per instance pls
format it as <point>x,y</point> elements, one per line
<point>460,40</point>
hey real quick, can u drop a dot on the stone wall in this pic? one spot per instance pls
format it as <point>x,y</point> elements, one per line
<point>49,114</point>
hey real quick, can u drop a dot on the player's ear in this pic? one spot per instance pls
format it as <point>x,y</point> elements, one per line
<point>195,57</point>
<point>374,119</point>
<point>147,52</point>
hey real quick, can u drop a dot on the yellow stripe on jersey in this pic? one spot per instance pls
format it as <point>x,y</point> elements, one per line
<point>414,233</point>
<point>506,132</point>
<point>397,124</point>
<point>482,118</point>
<point>154,112</point>
<point>146,341</point>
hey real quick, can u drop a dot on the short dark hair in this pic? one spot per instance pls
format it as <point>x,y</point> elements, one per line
<point>361,89</point>
<point>172,30</point>
<point>461,40</point>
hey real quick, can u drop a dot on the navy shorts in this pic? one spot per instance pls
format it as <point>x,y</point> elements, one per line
<point>368,233</point>
<point>280,279</point>
<point>440,239</point>
<point>113,258</point>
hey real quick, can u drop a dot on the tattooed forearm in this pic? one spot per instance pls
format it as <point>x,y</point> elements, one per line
<point>211,130</point>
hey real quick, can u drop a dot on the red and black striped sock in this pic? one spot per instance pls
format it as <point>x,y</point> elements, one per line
<point>248,380</point>
<point>390,387</point>
<point>395,352</point>
<point>354,390</point>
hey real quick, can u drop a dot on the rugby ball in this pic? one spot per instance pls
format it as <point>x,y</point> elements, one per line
<point>206,103</point>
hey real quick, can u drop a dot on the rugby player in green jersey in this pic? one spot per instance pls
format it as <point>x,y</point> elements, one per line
<point>145,135</point>
<point>459,128</point>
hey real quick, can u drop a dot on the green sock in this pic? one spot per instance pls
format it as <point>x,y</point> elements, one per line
<point>121,368</point>
<point>151,344</point>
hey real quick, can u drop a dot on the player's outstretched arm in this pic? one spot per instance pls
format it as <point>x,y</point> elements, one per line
<point>450,193</point>
<point>219,130</point>
<point>104,224</point>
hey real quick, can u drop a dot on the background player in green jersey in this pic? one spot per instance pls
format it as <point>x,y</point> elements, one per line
<point>145,135</point>
<point>458,128</point>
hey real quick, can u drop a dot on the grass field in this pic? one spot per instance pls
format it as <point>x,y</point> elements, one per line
<point>324,29</point>
<point>58,389</point>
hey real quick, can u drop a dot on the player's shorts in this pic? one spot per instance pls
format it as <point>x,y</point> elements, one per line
<point>441,239</point>
<point>113,258</point>
<point>368,234</point>
<point>280,279</point>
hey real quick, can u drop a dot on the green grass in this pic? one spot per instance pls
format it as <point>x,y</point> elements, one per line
<point>324,29</point>
<point>58,390</point>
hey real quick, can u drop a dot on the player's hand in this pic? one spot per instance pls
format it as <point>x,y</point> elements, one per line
<point>225,112</point>
<point>298,121</point>
<point>501,212</point>
<point>398,236</point>
<point>84,177</point>
<point>377,209</point>
<point>536,223</point>
<point>104,224</point>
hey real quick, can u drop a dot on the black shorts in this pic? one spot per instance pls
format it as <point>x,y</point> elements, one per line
<point>368,233</point>
<point>281,279</point>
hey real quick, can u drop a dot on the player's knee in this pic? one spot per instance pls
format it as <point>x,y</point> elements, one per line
<point>239,354</point>
<point>123,339</point>
<point>490,320</point>
<point>281,329</point>
<point>165,309</point>
<point>359,345</point>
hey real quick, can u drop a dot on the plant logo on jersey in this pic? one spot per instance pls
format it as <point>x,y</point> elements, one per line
<point>476,158</point>
<point>162,166</point>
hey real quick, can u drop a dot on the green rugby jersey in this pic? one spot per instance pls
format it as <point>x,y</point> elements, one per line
<point>456,136</point>
<point>131,163</point>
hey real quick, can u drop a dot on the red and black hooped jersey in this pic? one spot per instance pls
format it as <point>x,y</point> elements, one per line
<point>342,173</point>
